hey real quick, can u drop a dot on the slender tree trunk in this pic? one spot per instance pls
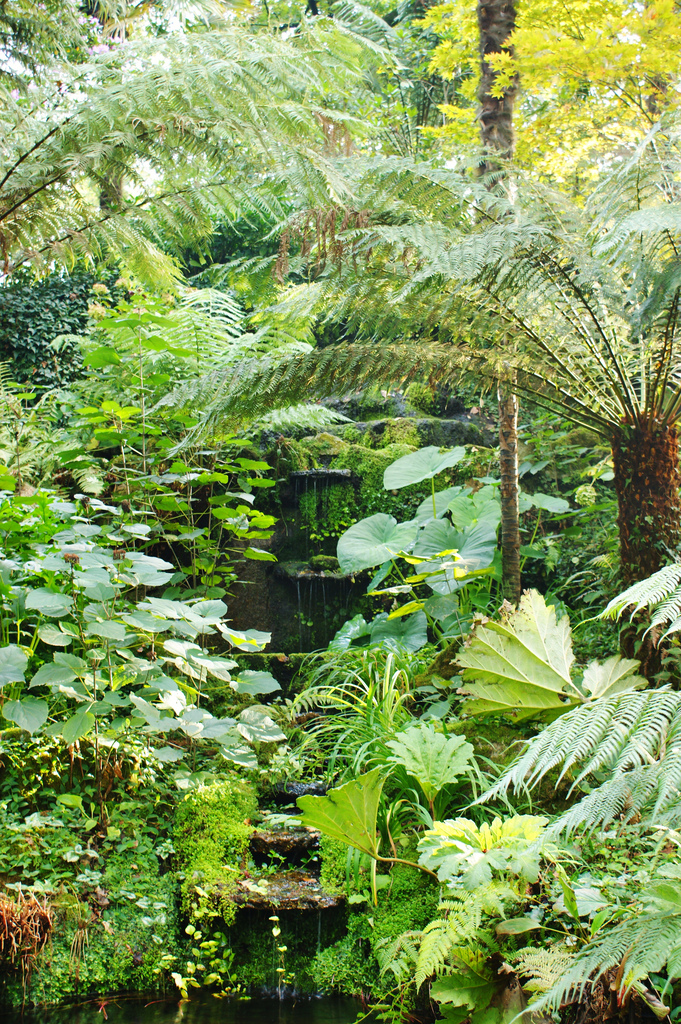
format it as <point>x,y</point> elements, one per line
<point>496,21</point>
<point>647,479</point>
<point>510,516</point>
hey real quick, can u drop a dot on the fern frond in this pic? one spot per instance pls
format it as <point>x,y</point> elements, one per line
<point>634,739</point>
<point>642,945</point>
<point>646,593</point>
<point>542,967</point>
<point>304,415</point>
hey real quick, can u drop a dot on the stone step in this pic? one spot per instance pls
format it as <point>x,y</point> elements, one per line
<point>292,842</point>
<point>285,890</point>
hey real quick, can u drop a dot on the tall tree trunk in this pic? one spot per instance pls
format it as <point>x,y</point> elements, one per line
<point>510,516</point>
<point>647,479</point>
<point>496,21</point>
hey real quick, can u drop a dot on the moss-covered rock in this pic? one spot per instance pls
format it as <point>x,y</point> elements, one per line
<point>212,831</point>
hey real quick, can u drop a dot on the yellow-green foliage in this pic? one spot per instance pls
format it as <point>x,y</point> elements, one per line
<point>369,464</point>
<point>212,829</point>
<point>421,397</point>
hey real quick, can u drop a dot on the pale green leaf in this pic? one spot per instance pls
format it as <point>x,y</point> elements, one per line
<point>13,664</point>
<point>614,676</point>
<point>347,813</point>
<point>430,757</point>
<point>521,664</point>
<point>373,541</point>
<point>421,465</point>
<point>29,714</point>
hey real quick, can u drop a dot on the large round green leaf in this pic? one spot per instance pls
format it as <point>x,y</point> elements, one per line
<point>47,602</point>
<point>29,714</point>
<point>474,551</point>
<point>410,633</point>
<point>373,541</point>
<point>421,465</point>
<point>13,664</point>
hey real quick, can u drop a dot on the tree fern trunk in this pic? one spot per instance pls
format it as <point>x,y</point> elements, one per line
<point>647,479</point>
<point>496,21</point>
<point>510,518</point>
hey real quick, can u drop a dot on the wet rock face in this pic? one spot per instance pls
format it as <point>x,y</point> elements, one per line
<point>296,789</point>
<point>292,843</point>
<point>286,890</point>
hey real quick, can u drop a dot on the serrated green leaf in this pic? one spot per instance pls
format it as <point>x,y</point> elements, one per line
<point>615,675</point>
<point>430,757</point>
<point>521,664</point>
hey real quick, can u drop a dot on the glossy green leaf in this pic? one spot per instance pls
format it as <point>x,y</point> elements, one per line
<point>103,356</point>
<point>421,465</point>
<point>259,555</point>
<point>517,926</point>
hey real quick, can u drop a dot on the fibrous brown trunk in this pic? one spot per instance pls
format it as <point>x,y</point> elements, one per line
<point>647,484</point>
<point>510,515</point>
<point>646,465</point>
<point>496,21</point>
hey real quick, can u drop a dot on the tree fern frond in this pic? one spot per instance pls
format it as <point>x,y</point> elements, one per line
<point>642,944</point>
<point>633,738</point>
<point>542,967</point>
<point>305,415</point>
<point>647,593</point>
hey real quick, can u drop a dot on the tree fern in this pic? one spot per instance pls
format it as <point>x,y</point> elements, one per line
<point>659,594</point>
<point>638,946</point>
<point>632,739</point>
<point>218,107</point>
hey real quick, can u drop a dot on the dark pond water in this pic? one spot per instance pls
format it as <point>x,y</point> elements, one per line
<point>204,1011</point>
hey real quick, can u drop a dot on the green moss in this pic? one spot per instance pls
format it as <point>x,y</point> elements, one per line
<point>324,563</point>
<point>351,965</point>
<point>401,431</point>
<point>119,948</point>
<point>368,464</point>
<point>212,830</point>
<point>422,398</point>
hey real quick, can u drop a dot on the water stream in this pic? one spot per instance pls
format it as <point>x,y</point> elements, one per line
<point>207,1010</point>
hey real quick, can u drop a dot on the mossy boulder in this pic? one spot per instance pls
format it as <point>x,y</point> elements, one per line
<point>212,832</point>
